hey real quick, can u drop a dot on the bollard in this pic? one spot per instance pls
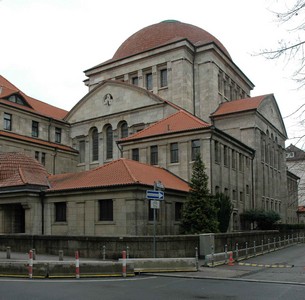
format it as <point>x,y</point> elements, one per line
<point>196,257</point>
<point>212,252</point>
<point>61,255</point>
<point>104,252</point>
<point>254,248</point>
<point>77,264</point>
<point>31,264</point>
<point>226,253</point>
<point>237,254</point>
<point>124,263</point>
<point>8,252</point>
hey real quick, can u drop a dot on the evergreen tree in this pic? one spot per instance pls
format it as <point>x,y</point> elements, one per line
<point>199,214</point>
<point>225,209</point>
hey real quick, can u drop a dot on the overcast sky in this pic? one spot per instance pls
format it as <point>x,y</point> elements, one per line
<point>47,44</point>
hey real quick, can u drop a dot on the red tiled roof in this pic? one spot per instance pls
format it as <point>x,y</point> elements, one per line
<point>163,33</point>
<point>18,169</point>
<point>37,106</point>
<point>239,105</point>
<point>178,122</point>
<point>36,141</point>
<point>117,173</point>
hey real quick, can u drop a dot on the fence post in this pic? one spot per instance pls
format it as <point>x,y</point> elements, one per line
<point>262,245</point>
<point>31,264</point>
<point>61,255</point>
<point>77,264</point>
<point>254,248</point>
<point>124,263</point>
<point>34,254</point>
<point>246,249</point>
<point>226,253</point>
<point>8,252</point>
<point>196,258</point>
<point>268,245</point>
<point>127,252</point>
<point>274,244</point>
<point>280,243</point>
<point>237,254</point>
<point>104,252</point>
<point>212,252</point>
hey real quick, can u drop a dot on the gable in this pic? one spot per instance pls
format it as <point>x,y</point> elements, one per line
<point>111,97</point>
<point>269,109</point>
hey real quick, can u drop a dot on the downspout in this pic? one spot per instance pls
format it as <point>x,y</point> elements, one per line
<point>42,197</point>
<point>194,98</point>
<point>120,149</point>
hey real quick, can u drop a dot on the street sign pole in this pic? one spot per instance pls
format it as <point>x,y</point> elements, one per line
<point>154,240</point>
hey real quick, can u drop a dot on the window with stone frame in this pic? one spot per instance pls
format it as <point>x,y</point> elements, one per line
<point>217,151</point>
<point>43,158</point>
<point>174,153</point>
<point>7,122</point>
<point>82,151</point>
<point>35,129</point>
<point>60,211</point>
<point>154,155</point>
<point>124,130</point>
<point>109,142</point>
<point>95,144</point>
<point>163,78</point>
<point>149,81</point>
<point>195,149</point>
<point>225,156</point>
<point>135,154</point>
<point>106,210</point>
<point>57,135</point>
<point>178,211</point>
<point>135,80</point>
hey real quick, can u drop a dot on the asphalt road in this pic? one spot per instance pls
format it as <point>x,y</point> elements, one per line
<point>147,288</point>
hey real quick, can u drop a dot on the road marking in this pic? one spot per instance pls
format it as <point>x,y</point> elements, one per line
<point>266,265</point>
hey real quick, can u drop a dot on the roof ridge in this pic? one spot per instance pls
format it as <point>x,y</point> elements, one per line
<point>128,169</point>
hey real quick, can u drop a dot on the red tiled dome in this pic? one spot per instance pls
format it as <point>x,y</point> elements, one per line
<point>19,169</point>
<point>163,33</point>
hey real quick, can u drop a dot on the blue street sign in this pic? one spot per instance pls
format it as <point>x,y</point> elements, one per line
<point>154,195</point>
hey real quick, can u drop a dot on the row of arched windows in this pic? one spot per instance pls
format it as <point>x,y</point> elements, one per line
<point>108,133</point>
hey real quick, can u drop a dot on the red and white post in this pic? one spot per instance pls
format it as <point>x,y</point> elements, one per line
<point>31,264</point>
<point>124,263</point>
<point>76,264</point>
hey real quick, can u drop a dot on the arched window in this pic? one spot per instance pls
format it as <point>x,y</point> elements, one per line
<point>124,130</point>
<point>109,142</point>
<point>94,136</point>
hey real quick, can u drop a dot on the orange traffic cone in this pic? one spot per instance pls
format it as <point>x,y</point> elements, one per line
<point>231,260</point>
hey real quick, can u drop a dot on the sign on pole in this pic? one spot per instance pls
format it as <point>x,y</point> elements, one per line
<point>154,195</point>
<point>155,204</point>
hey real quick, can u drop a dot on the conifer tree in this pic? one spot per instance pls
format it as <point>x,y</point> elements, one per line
<point>199,214</point>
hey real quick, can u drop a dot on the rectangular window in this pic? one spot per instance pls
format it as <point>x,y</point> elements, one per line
<point>35,129</point>
<point>163,78</point>
<point>149,81</point>
<point>178,211</point>
<point>195,148</point>
<point>154,155</point>
<point>233,159</point>
<point>106,210</point>
<point>241,162</point>
<point>241,196</point>
<point>43,158</point>
<point>135,80</point>
<point>7,121</point>
<point>225,156</point>
<point>234,195</point>
<point>82,145</point>
<point>174,153</point>
<point>60,212</point>
<point>135,154</point>
<point>57,135</point>
<point>37,155</point>
<point>217,152</point>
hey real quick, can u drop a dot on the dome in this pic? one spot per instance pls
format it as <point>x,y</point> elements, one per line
<point>19,169</point>
<point>163,33</point>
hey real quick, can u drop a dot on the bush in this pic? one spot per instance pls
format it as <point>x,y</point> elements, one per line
<point>264,220</point>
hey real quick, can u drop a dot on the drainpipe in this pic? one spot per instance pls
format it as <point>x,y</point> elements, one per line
<point>194,98</point>
<point>42,197</point>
